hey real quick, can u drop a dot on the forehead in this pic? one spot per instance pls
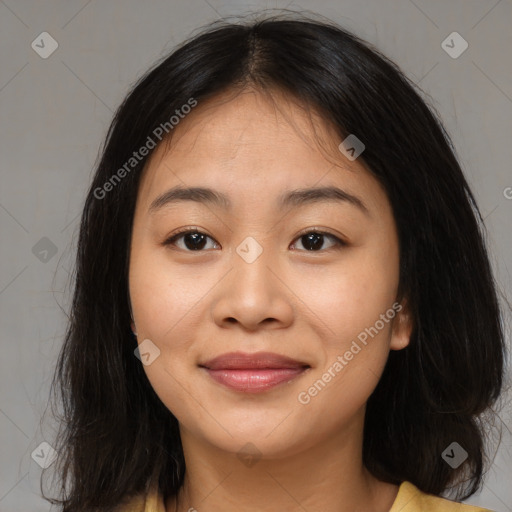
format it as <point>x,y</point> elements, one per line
<point>254,147</point>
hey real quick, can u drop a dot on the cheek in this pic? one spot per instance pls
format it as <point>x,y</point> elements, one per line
<point>163,305</point>
<point>163,296</point>
<point>354,349</point>
<point>169,307</point>
<point>349,300</point>
<point>350,296</point>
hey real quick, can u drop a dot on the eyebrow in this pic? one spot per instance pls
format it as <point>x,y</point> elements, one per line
<point>292,198</point>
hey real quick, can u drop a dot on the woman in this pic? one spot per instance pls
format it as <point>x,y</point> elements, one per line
<point>283,299</point>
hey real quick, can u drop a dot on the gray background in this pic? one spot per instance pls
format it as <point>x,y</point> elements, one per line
<point>54,116</point>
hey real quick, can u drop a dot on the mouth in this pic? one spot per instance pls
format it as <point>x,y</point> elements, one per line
<point>253,373</point>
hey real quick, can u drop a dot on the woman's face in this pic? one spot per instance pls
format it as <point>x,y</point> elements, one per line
<point>251,280</point>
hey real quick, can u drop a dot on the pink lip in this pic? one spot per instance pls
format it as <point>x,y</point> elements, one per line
<point>253,373</point>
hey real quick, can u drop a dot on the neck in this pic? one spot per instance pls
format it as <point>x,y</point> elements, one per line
<point>327,476</point>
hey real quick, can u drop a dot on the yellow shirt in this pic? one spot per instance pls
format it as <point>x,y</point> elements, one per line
<point>408,499</point>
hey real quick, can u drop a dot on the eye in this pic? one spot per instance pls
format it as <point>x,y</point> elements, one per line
<point>313,241</point>
<point>193,240</point>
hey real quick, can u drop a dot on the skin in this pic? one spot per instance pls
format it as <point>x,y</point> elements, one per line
<point>308,305</point>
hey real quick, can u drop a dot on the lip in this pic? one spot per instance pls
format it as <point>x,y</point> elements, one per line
<point>253,373</point>
<point>255,361</point>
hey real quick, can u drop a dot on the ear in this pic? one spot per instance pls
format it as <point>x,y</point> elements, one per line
<point>134,329</point>
<point>402,326</point>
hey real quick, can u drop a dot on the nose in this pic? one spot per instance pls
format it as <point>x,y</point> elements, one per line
<point>253,296</point>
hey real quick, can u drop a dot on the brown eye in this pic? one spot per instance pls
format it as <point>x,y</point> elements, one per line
<point>191,240</point>
<point>314,241</point>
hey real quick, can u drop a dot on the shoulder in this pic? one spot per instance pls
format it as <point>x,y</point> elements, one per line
<point>411,499</point>
<point>152,501</point>
<point>408,499</point>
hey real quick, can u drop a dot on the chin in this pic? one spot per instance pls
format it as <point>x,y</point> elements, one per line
<point>257,444</point>
<point>266,435</point>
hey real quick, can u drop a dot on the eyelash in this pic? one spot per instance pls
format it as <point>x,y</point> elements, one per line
<point>338,243</point>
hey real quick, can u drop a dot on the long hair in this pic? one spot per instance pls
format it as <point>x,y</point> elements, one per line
<point>117,436</point>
